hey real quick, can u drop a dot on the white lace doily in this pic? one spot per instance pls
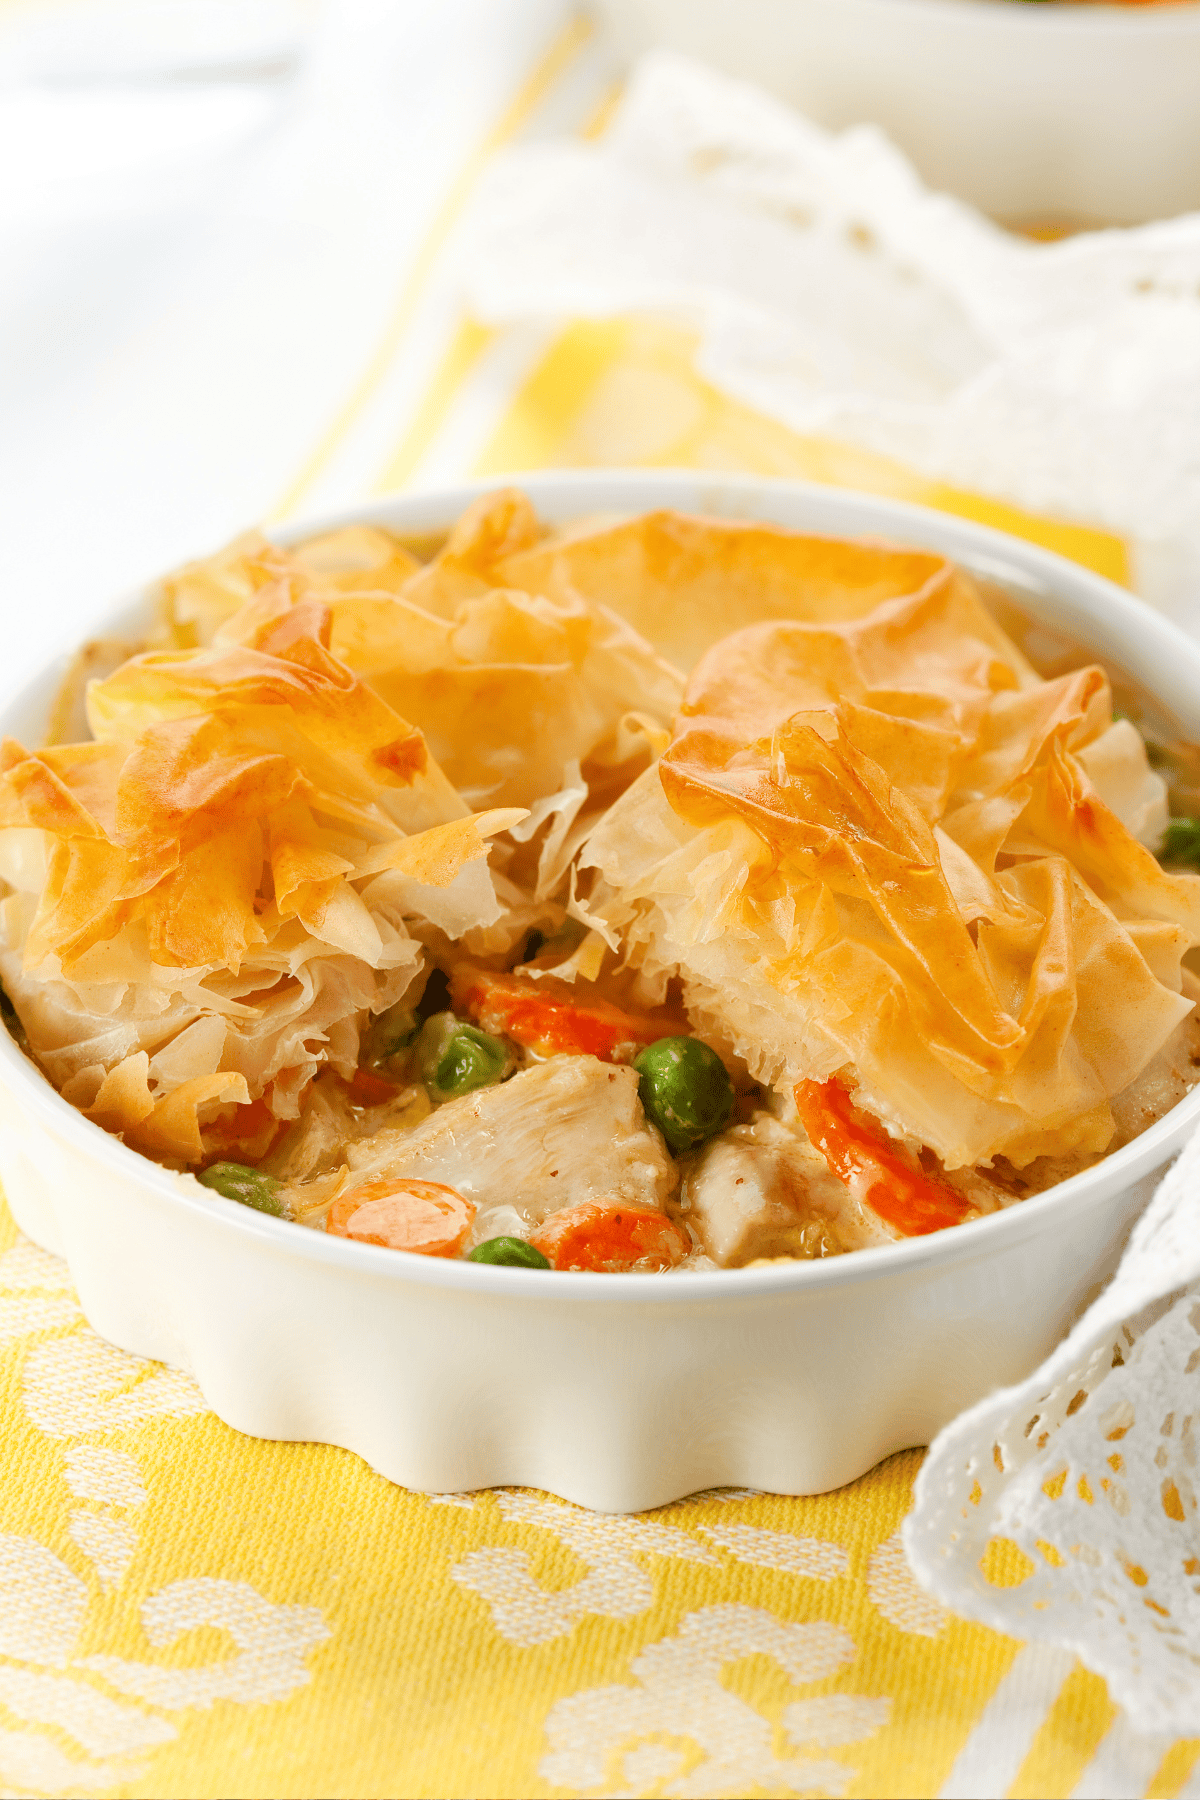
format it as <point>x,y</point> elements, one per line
<point>836,294</point>
<point>1091,1468</point>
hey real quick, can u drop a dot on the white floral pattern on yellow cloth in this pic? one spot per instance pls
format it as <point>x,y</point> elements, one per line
<point>75,1388</point>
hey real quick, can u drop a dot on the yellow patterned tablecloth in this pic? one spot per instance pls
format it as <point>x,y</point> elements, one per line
<point>186,1612</point>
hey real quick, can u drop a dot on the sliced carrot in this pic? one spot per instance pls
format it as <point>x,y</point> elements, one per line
<point>246,1136</point>
<point>369,1089</point>
<point>547,1016</point>
<point>422,1216</point>
<point>608,1235</point>
<point>862,1155</point>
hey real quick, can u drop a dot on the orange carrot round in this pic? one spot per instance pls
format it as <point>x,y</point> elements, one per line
<point>876,1170</point>
<point>610,1236</point>
<point>422,1216</point>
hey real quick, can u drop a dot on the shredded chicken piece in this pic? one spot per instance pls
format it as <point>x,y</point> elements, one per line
<point>565,1132</point>
<point>760,1191</point>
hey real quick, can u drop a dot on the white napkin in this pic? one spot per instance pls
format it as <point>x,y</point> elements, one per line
<point>838,295</point>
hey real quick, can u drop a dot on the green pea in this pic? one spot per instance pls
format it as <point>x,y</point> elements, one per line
<point>685,1090</point>
<point>455,1058</point>
<point>1182,841</point>
<point>237,1181</point>
<point>510,1252</point>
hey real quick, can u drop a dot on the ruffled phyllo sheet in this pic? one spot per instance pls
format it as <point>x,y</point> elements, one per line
<point>206,900</point>
<point>209,900</point>
<point>880,848</point>
<point>413,891</point>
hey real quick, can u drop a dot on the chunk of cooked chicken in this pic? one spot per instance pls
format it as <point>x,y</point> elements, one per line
<point>567,1131</point>
<point>761,1190</point>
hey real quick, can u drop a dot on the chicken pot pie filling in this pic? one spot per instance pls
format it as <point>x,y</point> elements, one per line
<point>667,893</point>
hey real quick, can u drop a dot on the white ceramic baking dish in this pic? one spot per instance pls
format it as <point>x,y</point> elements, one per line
<point>1080,113</point>
<point>616,1391</point>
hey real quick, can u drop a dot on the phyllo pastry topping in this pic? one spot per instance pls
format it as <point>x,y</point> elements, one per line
<point>878,846</point>
<point>208,897</point>
<point>419,893</point>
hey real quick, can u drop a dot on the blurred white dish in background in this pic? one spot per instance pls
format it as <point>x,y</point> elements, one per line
<point>1085,114</point>
<point>624,1391</point>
